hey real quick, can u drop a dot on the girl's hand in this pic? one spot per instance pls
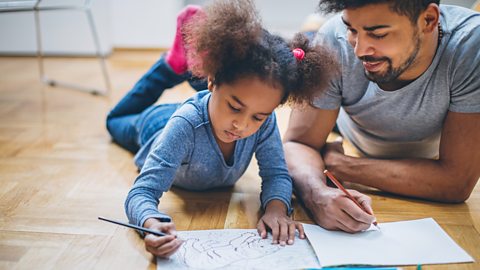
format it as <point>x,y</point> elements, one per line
<point>282,226</point>
<point>161,246</point>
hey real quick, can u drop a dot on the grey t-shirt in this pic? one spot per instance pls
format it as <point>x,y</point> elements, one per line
<point>186,154</point>
<point>406,122</point>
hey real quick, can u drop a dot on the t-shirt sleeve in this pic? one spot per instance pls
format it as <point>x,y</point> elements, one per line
<point>465,82</point>
<point>169,150</point>
<point>331,97</point>
<point>276,181</point>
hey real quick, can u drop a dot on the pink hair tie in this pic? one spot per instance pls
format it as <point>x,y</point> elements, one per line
<point>298,53</point>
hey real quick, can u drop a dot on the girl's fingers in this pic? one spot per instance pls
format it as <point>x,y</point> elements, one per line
<point>261,229</point>
<point>275,233</point>
<point>283,234</point>
<point>156,241</point>
<point>301,230</point>
<point>169,248</point>
<point>152,242</point>
<point>166,249</point>
<point>166,227</point>
<point>291,232</point>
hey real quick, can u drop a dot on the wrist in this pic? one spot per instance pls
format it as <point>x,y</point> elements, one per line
<point>150,222</point>
<point>276,205</point>
<point>311,195</point>
<point>334,161</point>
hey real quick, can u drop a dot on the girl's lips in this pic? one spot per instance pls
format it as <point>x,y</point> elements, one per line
<point>373,66</point>
<point>232,136</point>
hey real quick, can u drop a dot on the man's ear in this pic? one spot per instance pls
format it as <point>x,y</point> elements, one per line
<point>211,83</point>
<point>430,18</point>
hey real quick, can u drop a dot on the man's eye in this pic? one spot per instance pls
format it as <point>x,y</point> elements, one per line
<point>378,36</point>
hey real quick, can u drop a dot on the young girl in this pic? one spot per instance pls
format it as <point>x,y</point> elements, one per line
<point>209,140</point>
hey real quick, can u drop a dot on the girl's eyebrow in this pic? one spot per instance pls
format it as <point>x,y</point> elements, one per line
<point>243,105</point>
<point>238,100</point>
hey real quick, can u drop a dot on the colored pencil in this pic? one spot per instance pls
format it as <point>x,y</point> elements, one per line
<point>157,233</point>
<point>345,191</point>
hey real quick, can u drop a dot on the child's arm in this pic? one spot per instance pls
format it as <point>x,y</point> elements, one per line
<point>282,226</point>
<point>161,246</point>
<point>158,173</point>
<point>276,185</point>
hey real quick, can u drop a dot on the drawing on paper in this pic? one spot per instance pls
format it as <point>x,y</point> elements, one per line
<point>237,249</point>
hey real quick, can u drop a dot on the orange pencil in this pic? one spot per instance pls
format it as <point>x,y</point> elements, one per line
<point>340,186</point>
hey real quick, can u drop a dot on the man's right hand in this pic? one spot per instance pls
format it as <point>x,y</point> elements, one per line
<point>306,135</point>
<point>333,210</point>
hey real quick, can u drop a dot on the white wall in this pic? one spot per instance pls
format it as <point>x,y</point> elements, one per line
<point>63,32</point>
<point>144,23</point>
<point>120,23</point>
<point>283,17</point>
<point>131,24</point>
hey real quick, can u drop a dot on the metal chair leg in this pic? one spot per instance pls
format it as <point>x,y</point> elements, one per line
<point>99,54</point>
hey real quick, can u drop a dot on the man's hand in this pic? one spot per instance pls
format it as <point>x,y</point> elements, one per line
<point>306,134</point>
<point>333,210</point>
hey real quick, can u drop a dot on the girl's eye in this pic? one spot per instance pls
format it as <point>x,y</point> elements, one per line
<point>233,108</point>
<point>351,30</point>
<point>258,119</point>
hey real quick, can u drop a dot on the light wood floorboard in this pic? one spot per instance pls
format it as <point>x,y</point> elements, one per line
<point>59,170</point>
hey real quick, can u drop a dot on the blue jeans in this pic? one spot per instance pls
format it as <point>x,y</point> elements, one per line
<point>133,121</point>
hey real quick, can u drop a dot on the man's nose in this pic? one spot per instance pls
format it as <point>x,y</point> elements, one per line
<point>362,47</point>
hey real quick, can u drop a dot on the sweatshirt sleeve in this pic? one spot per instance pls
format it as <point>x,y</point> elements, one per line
<point>170,149</point>
<point>276,181</point>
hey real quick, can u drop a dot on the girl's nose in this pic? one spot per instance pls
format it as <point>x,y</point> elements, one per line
<point>239,124</point>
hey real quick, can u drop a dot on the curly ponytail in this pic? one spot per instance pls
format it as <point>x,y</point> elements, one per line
<point>313,71</point>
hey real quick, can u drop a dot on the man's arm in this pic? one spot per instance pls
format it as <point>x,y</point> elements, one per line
<point>306,134</point>
<point>451,178</point>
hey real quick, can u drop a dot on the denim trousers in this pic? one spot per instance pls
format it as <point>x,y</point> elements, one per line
<point>134,120</point>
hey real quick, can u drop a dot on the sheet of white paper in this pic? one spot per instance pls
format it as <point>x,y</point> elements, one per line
<point>397,243</point>
<point>237,249</point>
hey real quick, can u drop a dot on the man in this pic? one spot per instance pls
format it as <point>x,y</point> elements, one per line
<point>407,97</point>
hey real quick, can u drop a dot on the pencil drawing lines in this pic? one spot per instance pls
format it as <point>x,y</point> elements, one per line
<point>218,252</point>
<point>237,249</point>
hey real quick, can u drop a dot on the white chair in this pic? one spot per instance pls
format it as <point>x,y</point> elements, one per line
<point>36,7</point>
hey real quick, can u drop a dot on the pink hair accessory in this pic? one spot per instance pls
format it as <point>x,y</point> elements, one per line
<point>298,53</point>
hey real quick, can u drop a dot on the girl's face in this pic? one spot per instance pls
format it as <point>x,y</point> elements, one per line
<point>238,110</point>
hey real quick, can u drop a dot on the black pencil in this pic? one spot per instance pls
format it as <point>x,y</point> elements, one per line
<point>157,233</point>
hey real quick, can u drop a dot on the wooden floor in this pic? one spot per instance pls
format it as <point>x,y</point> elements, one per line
<point>59,171</point>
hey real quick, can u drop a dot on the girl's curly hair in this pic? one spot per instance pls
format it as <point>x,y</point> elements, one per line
<point>227,42</point>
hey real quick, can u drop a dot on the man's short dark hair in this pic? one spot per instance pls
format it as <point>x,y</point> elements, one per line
<point>410,8</point>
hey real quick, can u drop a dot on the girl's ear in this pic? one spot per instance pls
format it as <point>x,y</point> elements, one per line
<point>211,83</point>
